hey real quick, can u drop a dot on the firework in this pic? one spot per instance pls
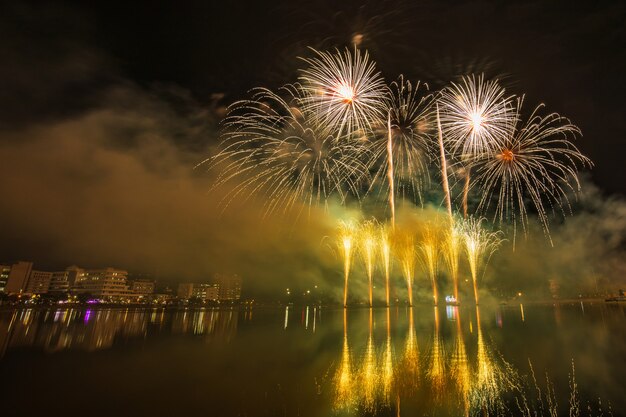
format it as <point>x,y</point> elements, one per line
<point>272,148</point>
<point>536,161</point>
<point>475,116</point>
<point>406,254</point>
<point>345,242</point>
<point>404,152</point>
<point>444,166</point>
<point>480,244</point>
<point>451,250</point>
<point>367,246</point>
<point>385,251</point>
<point>390,175</point>
<point>429,251</point>
<point>344,91</point>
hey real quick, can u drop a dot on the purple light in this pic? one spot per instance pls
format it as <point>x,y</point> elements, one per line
<point>87,315</point>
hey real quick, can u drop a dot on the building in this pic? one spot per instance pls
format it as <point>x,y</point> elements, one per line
<point>4,276</point>
<point>229,286</point>
<point>142,287</point>
<point>38,282</point>
<point>74,274</point>
<point>18,277</point>
<point>103,283</point>
<point>185,291</point>
<point>59,282</point>
<point>207,292</point>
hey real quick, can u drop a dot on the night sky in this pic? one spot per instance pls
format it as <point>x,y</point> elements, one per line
<point>105,109</point>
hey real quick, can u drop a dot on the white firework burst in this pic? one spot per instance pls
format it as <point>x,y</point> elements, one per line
<point>272,148</point>
<point>344,91</point>
<point>475,116</point>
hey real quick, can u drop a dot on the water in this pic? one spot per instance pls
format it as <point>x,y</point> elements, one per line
<point>311,361</point>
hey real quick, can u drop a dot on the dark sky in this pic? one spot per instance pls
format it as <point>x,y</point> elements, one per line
<point>570,55</point>
<point>93,93</point>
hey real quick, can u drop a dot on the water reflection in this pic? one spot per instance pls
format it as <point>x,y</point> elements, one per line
<point>454,382</point>
<point>446,361</point>
<point>55,330</point>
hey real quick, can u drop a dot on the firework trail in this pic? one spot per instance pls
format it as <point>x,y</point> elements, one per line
<point>367,246</point>
<point>344,91</point>
<point>429,257</point>
<point>385,251</point>
<point>536,161</point>
<point>479,244</point>
<point>390,175</point>
<point>345,242</point>
<point>444,167</point>
<point>452,243</point>
<point>271,147</point>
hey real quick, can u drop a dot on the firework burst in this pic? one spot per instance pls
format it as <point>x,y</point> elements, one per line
<point>271,147</point>
<point>407,145</point>
<point>535,161</point>
<point>475,116</point>
<point>344,91</point>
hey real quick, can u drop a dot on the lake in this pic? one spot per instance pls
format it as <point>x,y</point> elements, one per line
<point>314,361</point>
